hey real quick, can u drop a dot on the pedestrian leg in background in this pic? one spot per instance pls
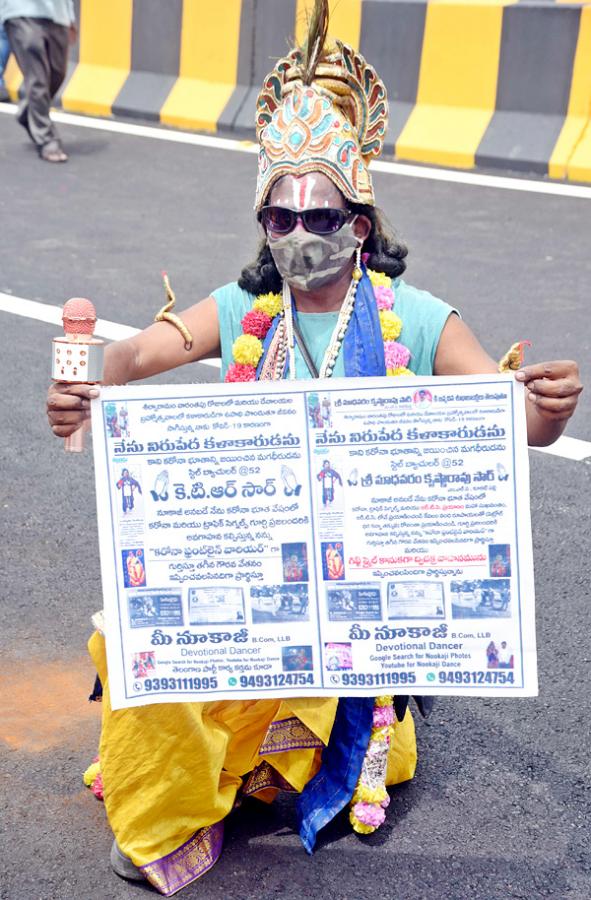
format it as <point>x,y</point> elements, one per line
<point>4,54</point>
<point>41,50</point>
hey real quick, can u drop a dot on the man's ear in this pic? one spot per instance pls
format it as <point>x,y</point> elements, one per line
<point>361,227</point>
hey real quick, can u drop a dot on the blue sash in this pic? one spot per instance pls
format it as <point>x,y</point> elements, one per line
<point>363,347</point>
<point>332,787</point>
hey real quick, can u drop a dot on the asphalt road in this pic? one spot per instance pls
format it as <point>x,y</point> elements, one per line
<point>501,804</point>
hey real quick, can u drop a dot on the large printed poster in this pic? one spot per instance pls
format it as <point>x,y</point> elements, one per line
<point>318,538</point>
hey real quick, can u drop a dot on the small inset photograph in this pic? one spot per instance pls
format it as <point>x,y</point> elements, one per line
<point>319,410</point>
<point>154,608</point>
<point>117,420</point>
<point>416,600</point>
<point>339,657</point>
<point>216,606</point>
<point>333,560</point>
<point>354,602</point>
<point>297,659</point>
<point>294,558</point>
<point>143,664</point>
<point>499,558</point>
<point>499,655</point>
<point>134,568</point>
<point>422,397</point>
<point>331,484</point>
<point>488,598</point>
<point>130,494</point>
<point>279,603</point>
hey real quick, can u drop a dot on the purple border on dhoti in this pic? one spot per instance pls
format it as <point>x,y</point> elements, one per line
<point>188,862</point>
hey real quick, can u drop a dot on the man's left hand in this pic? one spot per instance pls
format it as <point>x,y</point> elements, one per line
<point>554,387</point>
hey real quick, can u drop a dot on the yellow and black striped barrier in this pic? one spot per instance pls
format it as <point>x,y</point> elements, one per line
<point>492,83</point>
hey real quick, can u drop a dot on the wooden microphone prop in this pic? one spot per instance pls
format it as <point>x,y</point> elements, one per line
<point>77,356</point>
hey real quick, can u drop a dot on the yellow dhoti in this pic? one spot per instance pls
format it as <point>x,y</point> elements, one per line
<point>172,771</point>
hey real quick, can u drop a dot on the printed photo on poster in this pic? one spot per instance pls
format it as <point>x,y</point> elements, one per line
<point>338,656</point>
<point>333,560</point>
<point>129,490</point>
<point>151,608</point>
<point>499,556</point>
<point>416,600</point>
<point>279,603</point>
<point>297,659</point>
<point>143,664</point>
<point>134,568</point>
<point>354,602</point>
<point>488,598</point>
<point>331,486</point>
<point>117,420</point>
<point>499,655</point>
<point>216,606</point>
<point>294,558</point>
<point>319,410</point>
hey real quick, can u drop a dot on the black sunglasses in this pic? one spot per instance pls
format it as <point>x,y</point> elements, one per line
<point>281,220</point>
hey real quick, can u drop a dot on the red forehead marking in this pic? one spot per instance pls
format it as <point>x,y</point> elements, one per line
<point>302,198</point>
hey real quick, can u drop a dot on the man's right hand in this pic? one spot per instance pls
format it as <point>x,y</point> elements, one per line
<point>68,406</point>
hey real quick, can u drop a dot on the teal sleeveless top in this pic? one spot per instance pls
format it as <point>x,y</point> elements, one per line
<point>423,317</point>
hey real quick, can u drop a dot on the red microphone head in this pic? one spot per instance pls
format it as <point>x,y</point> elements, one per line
<point>79,316</point>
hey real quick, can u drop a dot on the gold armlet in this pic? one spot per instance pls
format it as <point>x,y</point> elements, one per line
<point>513,358</point>
<point>165,314</point>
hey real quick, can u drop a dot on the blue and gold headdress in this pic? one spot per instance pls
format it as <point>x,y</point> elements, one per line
<point>321,110</point>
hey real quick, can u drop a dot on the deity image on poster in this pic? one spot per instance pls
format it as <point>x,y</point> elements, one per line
<point>130,490</point>
<point>499,557</point>
<point>294,558</point>
<point>279,603</point>
<point>297,659</point>
<point>134,569</point>
<point>415,600</point>
<point>216,606</point>
<point>499,655</point>
<point>333,560</point>
<point>354,602</point>
<point>143,664</point>
<point>338,656</point>
<point>488,598</point>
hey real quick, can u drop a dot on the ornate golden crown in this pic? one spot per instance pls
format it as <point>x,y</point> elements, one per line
<point>334,124</point>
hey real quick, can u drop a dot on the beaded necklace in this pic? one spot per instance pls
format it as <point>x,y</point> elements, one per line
<point>247,349</point>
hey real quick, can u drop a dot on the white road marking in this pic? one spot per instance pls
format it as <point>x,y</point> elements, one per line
<point>566,447</point>
<point>498,182</point>
<point>569,448</point>
<point>43,312</point>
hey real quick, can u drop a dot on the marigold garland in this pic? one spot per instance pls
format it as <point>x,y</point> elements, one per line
<point>247,349</point>
<point>271,304</point>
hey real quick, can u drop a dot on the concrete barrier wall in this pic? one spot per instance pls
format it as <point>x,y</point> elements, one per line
<point>492,83</point>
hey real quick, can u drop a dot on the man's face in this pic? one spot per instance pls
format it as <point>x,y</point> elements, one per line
<point>309,260</point>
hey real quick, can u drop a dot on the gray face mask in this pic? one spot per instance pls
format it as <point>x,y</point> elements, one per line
<point>309,261</point>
